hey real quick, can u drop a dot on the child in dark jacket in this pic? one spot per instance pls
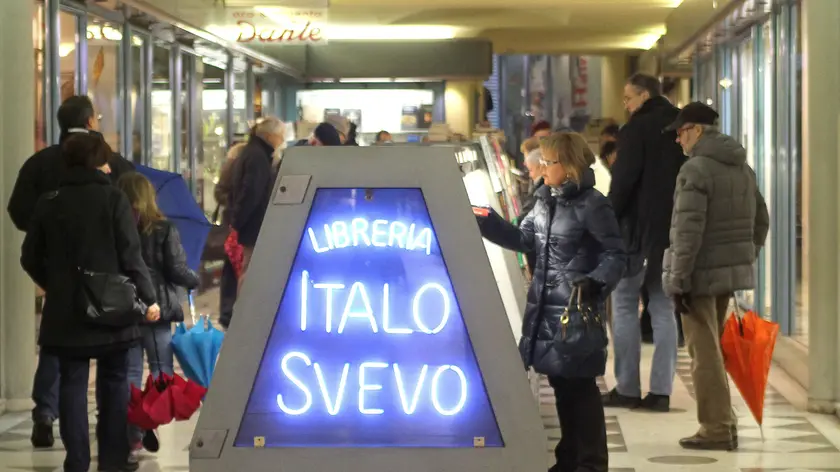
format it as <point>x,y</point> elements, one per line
<point>580,258</point>
<point>167,262</point>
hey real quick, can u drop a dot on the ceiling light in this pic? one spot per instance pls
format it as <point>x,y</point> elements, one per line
<point>726,82</point>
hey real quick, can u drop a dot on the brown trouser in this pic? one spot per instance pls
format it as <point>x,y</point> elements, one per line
<point>702,328</point>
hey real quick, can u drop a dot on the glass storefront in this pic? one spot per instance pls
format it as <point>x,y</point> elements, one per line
<point>160,101</point>
<point>754,80</point>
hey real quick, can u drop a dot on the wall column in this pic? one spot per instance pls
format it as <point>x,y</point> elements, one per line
<point>614,73</point>
<point>17,133</point>
<point>459,102</point>
<point>821,154</point>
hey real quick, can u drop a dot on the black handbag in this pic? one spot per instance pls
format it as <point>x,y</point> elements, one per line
<point>214,248</point>
<point>581,338</point>
<point>105,299</point>
<point>108,299</point>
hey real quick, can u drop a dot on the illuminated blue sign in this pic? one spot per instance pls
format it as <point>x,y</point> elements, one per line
<point>368,347</point>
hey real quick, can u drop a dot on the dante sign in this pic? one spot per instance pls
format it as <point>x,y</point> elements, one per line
<point>368,347</point>
<point>280,25</point>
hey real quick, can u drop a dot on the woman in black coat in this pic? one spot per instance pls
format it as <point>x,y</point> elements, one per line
<point>87,223</point>
<point>167,262</point>
<point>576,237</point>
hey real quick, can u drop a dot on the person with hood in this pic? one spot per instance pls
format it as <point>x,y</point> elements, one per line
<point>641,190</point>
<point>580,251</point>
<point>40,174</point>
<point>719,225</point>
<point>251,181</point>
<point>325,134</point>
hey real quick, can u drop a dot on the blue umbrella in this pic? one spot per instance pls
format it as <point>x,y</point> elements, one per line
<point>197,348</point>
<point>179,206</point>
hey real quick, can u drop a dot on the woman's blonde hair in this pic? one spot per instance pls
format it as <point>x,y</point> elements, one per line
<point>142,197</point>
<point>529,145</point>
<point>569,149</point>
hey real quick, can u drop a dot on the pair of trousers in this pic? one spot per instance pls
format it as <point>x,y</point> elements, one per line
<point>112,391</point>
<point>627,336</point>
<point>156,341</point>
<point>703,328</point>
<point>583,443</point>
<point>228,286</point>
<point>45,389</point>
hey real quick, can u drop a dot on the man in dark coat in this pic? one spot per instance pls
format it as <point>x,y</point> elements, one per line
<point>253,177</point>
<point>641,191</point>
<point>42,173</point>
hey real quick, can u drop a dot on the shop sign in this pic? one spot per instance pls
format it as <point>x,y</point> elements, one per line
<point>277,25</point>
<point>369,347</point>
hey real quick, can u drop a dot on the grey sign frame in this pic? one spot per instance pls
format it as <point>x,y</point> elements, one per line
<point>435,171</point>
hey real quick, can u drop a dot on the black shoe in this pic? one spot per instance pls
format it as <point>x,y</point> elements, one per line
<point>657,403</point>
<point>699,443</point>
<point>617,400</point>
<point>42,435</point>
<point>150,441</point>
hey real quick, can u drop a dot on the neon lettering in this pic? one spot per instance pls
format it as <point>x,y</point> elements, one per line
<point>360,227</point>
<point>284,367</point>
<point>380,233</point>
<point>435,391</point>
<point>409,397</point>
<point>332,407</point>
<point>315,245</point>
<point>341,236</point>
<point>415,308</point>
<point>328,311</point>
<point>397,232</point>
<point>304,290</point>
<point>409,408</point>
<point>386,315</point>
<point>364,387</point>
<point>358,289</point>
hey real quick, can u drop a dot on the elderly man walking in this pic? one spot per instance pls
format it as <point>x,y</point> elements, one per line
<point>718,226</point>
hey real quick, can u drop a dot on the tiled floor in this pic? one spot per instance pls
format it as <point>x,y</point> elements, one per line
<point>794,440</point>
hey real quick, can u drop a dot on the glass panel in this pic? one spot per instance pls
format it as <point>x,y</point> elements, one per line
<point>186,67</point>
<point>240,115</point>
<point>68,28</point>
<point>766,72</point>
<point>38,29</point>
<point>103,49</point>
<point>161,109</point>
<point>138,103</point>
<point>340,367</point>
<point>213,132</point>
<point>746,117</point>
<point>801,281</point>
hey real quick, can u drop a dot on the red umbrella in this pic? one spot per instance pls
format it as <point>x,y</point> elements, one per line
<point>164,399</point>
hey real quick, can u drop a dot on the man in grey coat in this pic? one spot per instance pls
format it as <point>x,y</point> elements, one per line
<point>718,226</point>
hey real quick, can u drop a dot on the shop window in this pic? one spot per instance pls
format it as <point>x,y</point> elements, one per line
<point>161,111</point>
<point>767,131</point>
<point>186,67</point>
<point>213,132</point>
<point>240,113</point>
<point>138,102</point>
<point>103,88</point>
<point>68,54</point>
<point>405,113</point>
